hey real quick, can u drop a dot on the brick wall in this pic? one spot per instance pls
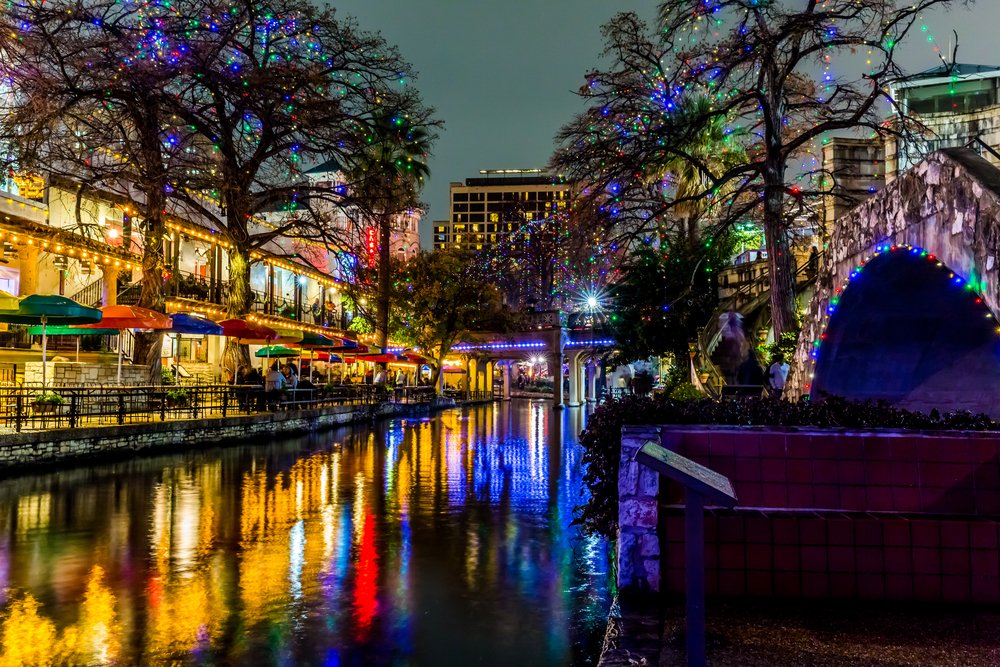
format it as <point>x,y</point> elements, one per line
<point>843,514</point>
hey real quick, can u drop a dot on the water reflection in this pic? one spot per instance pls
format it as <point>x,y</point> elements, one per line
<point>435,542</point>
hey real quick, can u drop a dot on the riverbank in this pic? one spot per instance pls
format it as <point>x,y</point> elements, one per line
<point>22,451</point>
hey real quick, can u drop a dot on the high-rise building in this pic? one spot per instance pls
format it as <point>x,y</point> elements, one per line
<point>501,202</point>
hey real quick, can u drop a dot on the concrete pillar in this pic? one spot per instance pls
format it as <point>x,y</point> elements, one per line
<point>508,377</point>
<point>470,372</point>
<point>489,376</point>
<point>109,293</point>
<point>590,382</point>
<point>555,368</point>
<point>573,361</point>
<point>28,258</point>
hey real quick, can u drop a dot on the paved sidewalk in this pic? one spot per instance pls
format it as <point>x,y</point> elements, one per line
<point>820,633</point>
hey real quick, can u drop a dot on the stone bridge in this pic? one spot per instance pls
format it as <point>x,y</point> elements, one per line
<point>578,349</point>
<point>905,305</point>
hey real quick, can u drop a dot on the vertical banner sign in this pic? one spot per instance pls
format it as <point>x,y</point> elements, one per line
<point>371,243</point>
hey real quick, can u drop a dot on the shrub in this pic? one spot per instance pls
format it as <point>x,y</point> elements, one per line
<point>49,398</point>
<point>602,437</point>
<point>178,396</point>
<point>167,376</point>
<point>686,392</point>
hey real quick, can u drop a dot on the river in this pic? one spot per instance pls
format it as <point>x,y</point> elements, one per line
<point>439,541</point>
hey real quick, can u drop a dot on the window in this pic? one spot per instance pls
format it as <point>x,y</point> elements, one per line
<point>494,217</point>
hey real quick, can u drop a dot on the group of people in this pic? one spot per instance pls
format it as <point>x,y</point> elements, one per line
<point>750,374</point>
<point>284,376</point>
<point>326,316</point>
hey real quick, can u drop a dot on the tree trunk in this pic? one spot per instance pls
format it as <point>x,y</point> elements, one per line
<point>781,265</point>
<point>149,345</point>
<point>384,255</point>
<point>237,305</point>
<point>148,348</point>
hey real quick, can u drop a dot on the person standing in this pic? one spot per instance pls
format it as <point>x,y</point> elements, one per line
<point>750,374</point>
<point>317,311</point>
<point>777,374</point>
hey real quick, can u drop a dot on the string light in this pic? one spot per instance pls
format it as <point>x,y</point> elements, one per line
<point>970,286</point>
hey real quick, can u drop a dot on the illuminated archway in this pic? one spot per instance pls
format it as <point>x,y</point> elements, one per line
<point>906,329</point>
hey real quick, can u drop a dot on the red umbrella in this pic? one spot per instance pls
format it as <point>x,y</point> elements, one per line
<point>128,317</point>
<point>378,358</point>
<point>415,358</point>
<point>247,332</point>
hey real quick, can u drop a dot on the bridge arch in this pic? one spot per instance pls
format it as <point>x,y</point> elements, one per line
<point>907,329</point>
<point>949,202</point>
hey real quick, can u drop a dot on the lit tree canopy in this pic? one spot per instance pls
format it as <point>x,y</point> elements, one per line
<point>767,71</point>
<point>440,298</point>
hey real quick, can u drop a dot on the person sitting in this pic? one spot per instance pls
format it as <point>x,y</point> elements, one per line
<point>254,377</point>
<point>274,384</point>
<point>292,375</point>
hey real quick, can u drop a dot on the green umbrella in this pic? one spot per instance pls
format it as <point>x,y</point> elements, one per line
<point>45,309</point>
<point>276,351</point>
<point>71,331</point>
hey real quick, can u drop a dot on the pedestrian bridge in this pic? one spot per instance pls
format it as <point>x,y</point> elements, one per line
<point>904,308</point>
<point>580,349</point>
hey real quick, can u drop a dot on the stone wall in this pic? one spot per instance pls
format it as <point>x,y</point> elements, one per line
<point>47,447</point>
<point>72,374</point>
<point>638,498</point>
<point>949,204</point>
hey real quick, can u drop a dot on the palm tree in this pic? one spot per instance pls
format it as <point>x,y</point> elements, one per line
<point>713,144</point>
<point>385,181</point>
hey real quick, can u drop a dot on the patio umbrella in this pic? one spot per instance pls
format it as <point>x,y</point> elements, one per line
<point>129,317</point>
<point>379,358</point>
<point>71,331</point>
<point>287,335</point>
<point>8,301</point>
<point>191,324</point>
<point>278,351</point>
<point>45,309</point>
<point>247,332</point>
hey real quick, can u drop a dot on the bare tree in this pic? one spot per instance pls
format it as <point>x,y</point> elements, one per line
<point>767,69</point>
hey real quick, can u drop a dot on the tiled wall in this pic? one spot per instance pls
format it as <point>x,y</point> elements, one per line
<point>875,516</point>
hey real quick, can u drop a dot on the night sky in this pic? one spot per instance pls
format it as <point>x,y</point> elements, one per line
<point>503,73</point>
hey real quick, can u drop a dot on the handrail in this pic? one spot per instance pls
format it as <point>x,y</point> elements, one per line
<point>91,294</point>
<point>25,407</point>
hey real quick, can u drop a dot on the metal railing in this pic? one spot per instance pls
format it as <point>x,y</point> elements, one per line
<point>31,409</point>
<point>91,295</point>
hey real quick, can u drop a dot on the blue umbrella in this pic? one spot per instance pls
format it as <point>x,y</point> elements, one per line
<point>189,323</point>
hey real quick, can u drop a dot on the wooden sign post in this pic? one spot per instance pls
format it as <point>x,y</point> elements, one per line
<point>700,484</point>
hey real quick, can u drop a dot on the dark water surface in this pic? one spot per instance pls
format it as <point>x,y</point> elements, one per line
<point>443,541</point>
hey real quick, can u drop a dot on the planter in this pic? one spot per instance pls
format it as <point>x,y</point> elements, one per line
<point>45,408</point>
<point>176,402</point>
<point>703,377</point>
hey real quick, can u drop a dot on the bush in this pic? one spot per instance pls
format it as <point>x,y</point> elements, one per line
<point>167,376</point>
<point>602,437</point>
<point>686,392</point>
<point>178,396</point>
<point>49,398</point>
